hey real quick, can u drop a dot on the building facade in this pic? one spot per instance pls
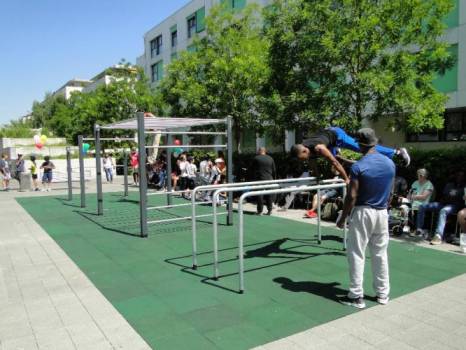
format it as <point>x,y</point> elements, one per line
<point>453,84</point>
<point>175,34</point>
<point>71,86</point>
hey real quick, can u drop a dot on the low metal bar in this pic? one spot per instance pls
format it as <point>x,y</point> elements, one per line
<point>177,205</point>
<point>160,193</point>
<point>234,184</point>
<point>186,133</point>
<point>183,218</point>
<point>261,193</point>
<point>189,146</point>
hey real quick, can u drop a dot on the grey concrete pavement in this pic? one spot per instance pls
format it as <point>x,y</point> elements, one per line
<point>432,318</point>
<point>46,301</point>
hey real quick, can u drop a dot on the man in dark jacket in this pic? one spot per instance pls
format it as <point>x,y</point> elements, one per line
<point>263,168</point>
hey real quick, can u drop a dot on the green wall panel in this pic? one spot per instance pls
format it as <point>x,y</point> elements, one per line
<point>448,82</point>
<point>452,19</point>
<point>200,20</point>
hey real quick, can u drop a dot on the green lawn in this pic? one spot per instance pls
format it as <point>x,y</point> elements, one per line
<point>292,283</point>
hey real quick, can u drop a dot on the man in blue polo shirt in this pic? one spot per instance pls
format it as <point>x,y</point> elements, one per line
<point>371,182</point>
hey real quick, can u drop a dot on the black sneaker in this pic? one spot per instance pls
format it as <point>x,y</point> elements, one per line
<point>403,153</point>
<point>357,302</point>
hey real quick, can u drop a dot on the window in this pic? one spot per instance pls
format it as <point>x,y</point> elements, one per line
<point>157,71</point>
<point>454,130</point>
<point>174,38</point>
<point>191,25</point>
<point>156,46</point>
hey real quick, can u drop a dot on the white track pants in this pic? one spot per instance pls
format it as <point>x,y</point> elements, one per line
<point>368,227</point>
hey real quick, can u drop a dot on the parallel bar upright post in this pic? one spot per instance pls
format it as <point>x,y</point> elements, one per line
<point>125,172</point>
<point>69,173</point>
<point>142,175</point>
<point>169,169</point>
<point>230,168</point>
<point>82,183</point>
<point>98,169</point>
<point>319,204</point>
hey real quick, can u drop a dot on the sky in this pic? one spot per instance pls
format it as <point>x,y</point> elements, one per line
<point>45,43</point>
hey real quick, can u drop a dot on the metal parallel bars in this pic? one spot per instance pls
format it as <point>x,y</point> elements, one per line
<point>238,184</point>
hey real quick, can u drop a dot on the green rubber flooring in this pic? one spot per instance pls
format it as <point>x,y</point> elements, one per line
<point>291,282</point>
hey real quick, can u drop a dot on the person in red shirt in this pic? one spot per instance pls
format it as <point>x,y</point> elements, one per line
<point>134,161</point>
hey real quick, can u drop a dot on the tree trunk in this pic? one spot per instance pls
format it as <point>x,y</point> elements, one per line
<point>237,131</point>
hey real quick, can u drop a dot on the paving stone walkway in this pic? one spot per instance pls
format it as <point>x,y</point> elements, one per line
<point>46,302</point>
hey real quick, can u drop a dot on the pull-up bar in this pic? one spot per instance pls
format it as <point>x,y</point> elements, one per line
<point>116,139</point>
<point>189,146</point>
<point>187,133</point>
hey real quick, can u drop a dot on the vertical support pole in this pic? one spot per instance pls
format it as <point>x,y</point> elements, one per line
<point>240,245</point>
<point>82,180</point>
<point>319,231</point>
<point>98,169</point>
<point>125,172</point>
<point>215,233</point>
<point>69,173</point>
<point>345,228</point>
<point>194,227</point>
<point>142,174</point>
<point>169,169</point>
<point>230,168</point>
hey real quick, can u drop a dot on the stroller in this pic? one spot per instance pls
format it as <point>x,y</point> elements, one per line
<point>398,216</point>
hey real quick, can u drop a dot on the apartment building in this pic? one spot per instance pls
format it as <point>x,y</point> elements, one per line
<point>71,86</point>
<point>106,77</point>
<point>163,43</point>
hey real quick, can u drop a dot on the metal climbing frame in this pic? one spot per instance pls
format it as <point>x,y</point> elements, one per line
<point>166,126</point>
<point>230,194</point>
<point>267,192</point>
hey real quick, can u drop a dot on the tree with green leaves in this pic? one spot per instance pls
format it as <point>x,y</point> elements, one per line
<point>225,73</point>
<point>336,62</point>
<point>16,129</point>
<point>128,92</point>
